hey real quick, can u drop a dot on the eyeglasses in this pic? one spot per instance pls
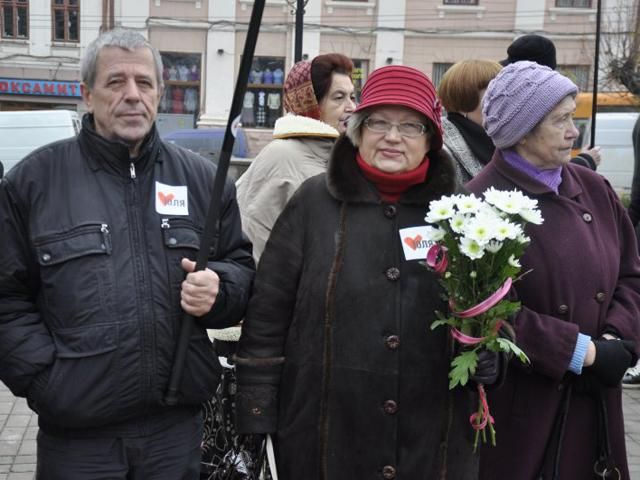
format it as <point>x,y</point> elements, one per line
<point>406,129</point>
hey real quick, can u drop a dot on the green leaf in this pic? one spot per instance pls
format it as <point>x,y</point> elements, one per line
<point>509,346</point>
<point>443,321</point>
<point>463,365</point>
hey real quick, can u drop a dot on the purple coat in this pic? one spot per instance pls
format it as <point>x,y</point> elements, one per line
<point>585,278</point>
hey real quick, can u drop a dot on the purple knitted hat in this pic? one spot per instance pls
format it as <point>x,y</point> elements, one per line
<point>519,97</point>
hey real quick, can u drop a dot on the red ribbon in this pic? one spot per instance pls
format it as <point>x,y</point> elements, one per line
<point>484,415</point>
<point>486,304</point>
<point>437,258</point>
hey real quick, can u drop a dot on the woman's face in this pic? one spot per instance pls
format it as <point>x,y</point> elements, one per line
<point>338,103</point>
<point>549,144</point>
<point>476,115</point>
<point>391,151</point>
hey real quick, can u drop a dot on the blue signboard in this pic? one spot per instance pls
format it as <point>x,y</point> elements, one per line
<point>14,86</point>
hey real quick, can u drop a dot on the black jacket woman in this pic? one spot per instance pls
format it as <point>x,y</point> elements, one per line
<point>336,355</point>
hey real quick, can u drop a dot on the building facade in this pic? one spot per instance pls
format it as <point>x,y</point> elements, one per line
<point>201,42</point>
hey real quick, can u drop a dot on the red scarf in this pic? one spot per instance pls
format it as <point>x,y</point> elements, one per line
<point>392,185</point>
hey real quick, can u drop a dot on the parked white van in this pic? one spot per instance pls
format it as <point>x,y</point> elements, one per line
<point>22,132</point>
<point>613,134</point>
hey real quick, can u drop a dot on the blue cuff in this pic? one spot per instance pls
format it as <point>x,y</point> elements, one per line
<point>577,360</point>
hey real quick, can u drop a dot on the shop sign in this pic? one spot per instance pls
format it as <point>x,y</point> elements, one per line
<point>12,86</point>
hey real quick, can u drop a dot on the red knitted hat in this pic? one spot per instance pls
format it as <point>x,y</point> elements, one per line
<point>406,86</point>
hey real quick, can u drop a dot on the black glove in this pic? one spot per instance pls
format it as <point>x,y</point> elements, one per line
<point>613,357</point>
<point>488,367</point>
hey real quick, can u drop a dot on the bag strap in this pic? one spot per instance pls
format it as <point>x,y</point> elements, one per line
<point>604,466</point>
<point>271,458</point>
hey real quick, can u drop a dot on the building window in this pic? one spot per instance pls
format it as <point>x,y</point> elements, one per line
<point>359,76</point>
<point>573,3</point>
<point>15,18</point>
<point>262,103</point>
<point>439,70</point>
<point>579,74</point>
<point>66,20</point>
<point>460,2</point>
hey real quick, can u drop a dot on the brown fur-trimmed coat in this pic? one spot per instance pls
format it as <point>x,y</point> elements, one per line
<point>336,354</point>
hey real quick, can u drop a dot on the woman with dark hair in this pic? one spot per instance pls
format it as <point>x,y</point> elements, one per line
<point>336,356</point>
<point>461,91</point>
<point>319,98</point>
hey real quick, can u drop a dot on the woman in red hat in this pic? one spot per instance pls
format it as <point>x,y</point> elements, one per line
<point>336,358</point>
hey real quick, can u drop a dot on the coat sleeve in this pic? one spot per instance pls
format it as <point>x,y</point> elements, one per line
<point>623,315</point>
<point>233,262</point>
<point>26,346</point>
<point>261,351</point>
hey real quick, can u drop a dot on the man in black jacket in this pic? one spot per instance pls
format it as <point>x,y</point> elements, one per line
<point>632,378</point>
<point>99,234</point>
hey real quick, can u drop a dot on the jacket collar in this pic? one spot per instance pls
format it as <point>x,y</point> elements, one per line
<point>291,126</point>
<point>569,187</point>
<point>346,182</point>
<point>113,156</point>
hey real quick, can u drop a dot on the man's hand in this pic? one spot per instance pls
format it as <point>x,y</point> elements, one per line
<point>199,289</point>
<point>594,153</point>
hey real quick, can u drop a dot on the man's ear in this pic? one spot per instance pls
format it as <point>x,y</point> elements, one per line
<point>86,96</point>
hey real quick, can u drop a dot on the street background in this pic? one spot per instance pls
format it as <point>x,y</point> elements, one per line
<point>19,427</point>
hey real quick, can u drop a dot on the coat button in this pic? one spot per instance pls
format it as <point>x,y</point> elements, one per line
<point>392,274</point>
<point>390,407</point>
<point>392,342</point>
<point>600,297</point>
<point>46,257</point>
<point>562,309</point>
<point>388,472</point>
<point>390,211</point>
<point>587,217</point>
<point>173,241</point>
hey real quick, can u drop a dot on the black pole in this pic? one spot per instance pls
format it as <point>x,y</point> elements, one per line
<point>596,66</point>
<point>297,55</point>
<point>213,215</point>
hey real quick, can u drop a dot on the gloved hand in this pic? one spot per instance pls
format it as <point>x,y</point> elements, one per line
<point>613,357</point>
<point>488,367</point>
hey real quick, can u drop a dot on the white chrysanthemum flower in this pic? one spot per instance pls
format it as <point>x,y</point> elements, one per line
<point>509,203</point>
<point>493,246</point>
<point>522,239</point>
<point>506,229</point>
<point>435,234</point>
<point>468,203</point>
<point>493,196</point>
<point>514,262</point>
<point>471,248</point>
<point>526,202</point>
<point>531,215</point>
<point>441,209</point>
<point>473,274</point>
<point>458,222</point>
<point>482,230</point>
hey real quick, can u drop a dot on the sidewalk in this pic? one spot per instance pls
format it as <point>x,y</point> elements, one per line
<point>18,429</point>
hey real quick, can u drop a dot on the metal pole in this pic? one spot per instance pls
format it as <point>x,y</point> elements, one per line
<point>596,66</point>
<point>213,215</point>
<point>297,56</point>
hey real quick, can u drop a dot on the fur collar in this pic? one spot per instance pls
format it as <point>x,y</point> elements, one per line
<point>346,182</point>
<point>298,126</point>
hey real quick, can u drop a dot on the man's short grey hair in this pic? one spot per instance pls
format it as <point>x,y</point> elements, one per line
<point>121,38</point>
<point>354,126</point>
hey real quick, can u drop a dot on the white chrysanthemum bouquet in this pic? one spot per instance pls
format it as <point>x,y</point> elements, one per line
<point>476,251</point>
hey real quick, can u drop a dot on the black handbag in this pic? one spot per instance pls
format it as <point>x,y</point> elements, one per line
<point>226,455</point>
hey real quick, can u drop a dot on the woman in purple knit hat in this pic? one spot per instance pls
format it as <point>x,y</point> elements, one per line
<point>561,416</point>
